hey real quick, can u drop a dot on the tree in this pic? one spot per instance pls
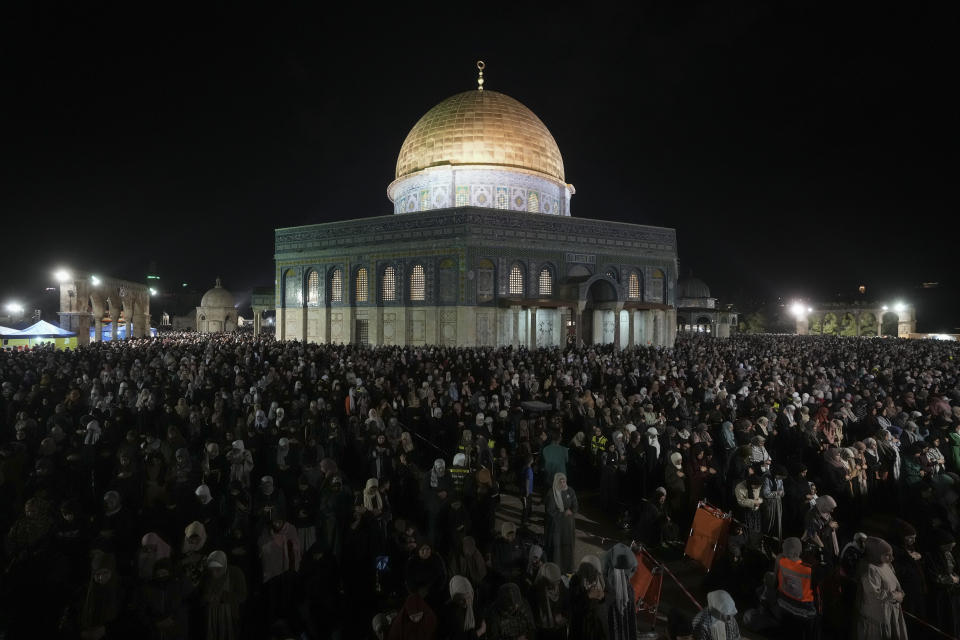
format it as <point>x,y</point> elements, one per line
<point>755,322</point>
<point>830,324</point>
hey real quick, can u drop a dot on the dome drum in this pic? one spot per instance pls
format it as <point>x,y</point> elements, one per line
<point>489,187</point>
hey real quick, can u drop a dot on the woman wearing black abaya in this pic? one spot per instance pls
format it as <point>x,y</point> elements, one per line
<point>222,591</point>
<point>103,603</point>
<point>562,507</point>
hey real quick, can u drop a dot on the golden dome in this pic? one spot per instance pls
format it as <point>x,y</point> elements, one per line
<point>480,128</point>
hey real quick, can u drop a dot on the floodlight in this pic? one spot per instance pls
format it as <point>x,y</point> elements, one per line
<point>14,307</point>
<point>95,281</point>
<point>885,307</point>
<point>899,307</point>
<point>153,291</point>
<point>797,309</point>
<point>62,275</point>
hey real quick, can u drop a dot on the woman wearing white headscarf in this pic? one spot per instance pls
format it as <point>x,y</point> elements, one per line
<point>549,603</point>
<point>438,494</point>
<point>561,508</point>
<point>223,590</point>
<point>717,621</point>
<point>459,620</point>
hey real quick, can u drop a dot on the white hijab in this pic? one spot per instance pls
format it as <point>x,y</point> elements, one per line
<point>557,492</point>
<point>461,586</point>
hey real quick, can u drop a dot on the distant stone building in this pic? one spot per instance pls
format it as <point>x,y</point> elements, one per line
<point>698,312</point>
<point>481,249</point>
<point>858,318</point>
<point>217,311</point>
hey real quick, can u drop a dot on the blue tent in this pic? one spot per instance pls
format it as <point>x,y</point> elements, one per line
<point>43,329</point>
<point>40,333</point>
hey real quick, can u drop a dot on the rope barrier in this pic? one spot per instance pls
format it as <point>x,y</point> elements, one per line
<point>930,626</point>
<point>674,578</point>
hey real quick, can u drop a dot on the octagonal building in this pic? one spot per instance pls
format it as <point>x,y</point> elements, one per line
<point>481,249</point>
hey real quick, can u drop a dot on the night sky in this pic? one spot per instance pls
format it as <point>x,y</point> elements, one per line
<point>798,148</point>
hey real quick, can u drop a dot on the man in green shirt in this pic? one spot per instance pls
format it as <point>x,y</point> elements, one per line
<point>555,458</point>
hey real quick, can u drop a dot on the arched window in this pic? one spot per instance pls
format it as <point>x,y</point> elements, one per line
<point>516,281</point>
<point>313,288</point>
<point>336,285</point>
<point>485,272</point>
<point>546,282</point>
<point>633,286</point>
<point>293,289</point>
<point>533,202</point>
<point>418,284</point>
<point>361,285</point>
<point>388,285</point>
<point>657,292</point>
<point>448,289</point>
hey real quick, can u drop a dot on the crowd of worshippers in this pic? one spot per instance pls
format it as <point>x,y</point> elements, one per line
<point>234,486</point>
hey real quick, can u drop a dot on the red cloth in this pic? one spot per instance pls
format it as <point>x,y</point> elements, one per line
<point>707,535</point>
<point>405,629</point>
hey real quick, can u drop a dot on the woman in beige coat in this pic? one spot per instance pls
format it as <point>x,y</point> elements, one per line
<point>879,615</point>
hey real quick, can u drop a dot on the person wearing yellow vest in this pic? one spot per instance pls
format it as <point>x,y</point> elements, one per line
<point>459,471</point>
<point>598,445</point>
<point>796,591</point>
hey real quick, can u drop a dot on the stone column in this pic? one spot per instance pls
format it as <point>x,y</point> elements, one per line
<point>616,326</point>
<point>579,322</point>
<point>533,328</point>
<point>256,322</point>
<point>145,328</point>
<point>597,336</point>
<point>515,329</point>
<point>78,322</point>
<point>114,329</point>
<point>631,339</point>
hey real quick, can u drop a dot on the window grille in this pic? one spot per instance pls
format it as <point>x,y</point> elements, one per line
<point>516,281</point>
<point>417,284</point>
<point>361,286</point>
<point>546,282</point>
<point>634,286</point>
<point>389,284</point>
<point>336,286</point>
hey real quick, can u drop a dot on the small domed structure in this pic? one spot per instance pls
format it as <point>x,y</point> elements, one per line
<point>217,297</point>
<point>691,287</point>
<point>217,312</point>
<point>698,312</point>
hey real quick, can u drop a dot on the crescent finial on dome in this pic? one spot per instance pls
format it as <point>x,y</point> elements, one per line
<point>480,66</point>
